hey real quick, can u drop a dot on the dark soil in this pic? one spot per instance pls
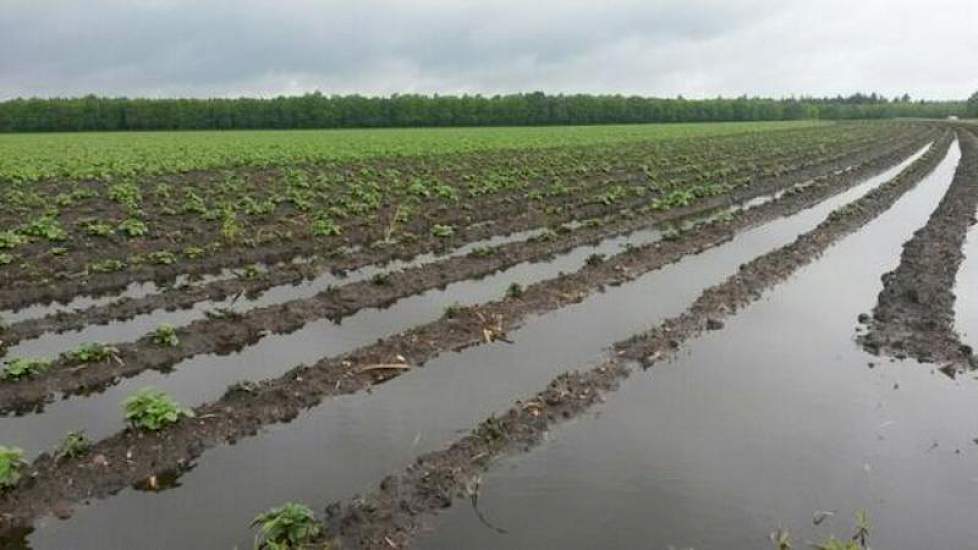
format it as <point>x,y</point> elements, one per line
<point>510,212</point>
<point>397,511</point>
<point>914,315</point>
<point>227,335</point>
<point>130,456</point>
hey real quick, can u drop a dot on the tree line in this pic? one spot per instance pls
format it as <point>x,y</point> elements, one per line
<point>315,110</point>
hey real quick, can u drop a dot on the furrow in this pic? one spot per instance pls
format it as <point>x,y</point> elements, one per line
<point>242,411</point>
<point>227,334</point>
<point>98,285</point>
<point>402,505</point>
<point>914,314</point>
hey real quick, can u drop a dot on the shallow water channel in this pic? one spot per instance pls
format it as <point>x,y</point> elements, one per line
<point>773,420</point>
<point>348,444</point>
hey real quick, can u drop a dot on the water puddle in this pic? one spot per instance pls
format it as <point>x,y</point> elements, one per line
<point>135,290</point>
<point>347,444</point>
<point>966,292</point>
<point>205,377</point>
<point>766,423</point>
<point>51,344</point>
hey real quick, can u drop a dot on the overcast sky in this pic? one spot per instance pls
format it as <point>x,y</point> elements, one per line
<point>697,48</point>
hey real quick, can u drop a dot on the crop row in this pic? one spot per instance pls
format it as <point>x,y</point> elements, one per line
<point>172,224</point>
<point>255,285</point>
<point>247,407</point>
<point>27,158</point>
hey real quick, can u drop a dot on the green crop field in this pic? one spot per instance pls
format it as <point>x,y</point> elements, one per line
<point>32,157</point>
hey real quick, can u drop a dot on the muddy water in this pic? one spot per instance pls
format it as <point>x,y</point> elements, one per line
<point>134,290</point>
<point>966,292</point>
<point>50,345</point>
<point>760,425</point>
<point>206,377</point>
<point>348,443</point>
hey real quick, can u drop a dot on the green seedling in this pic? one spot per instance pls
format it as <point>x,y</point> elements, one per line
<point>482,252</point>
<point>162,257</point>
<point>153,410</point>
<point>74,445</point>
<point>11,464</point>
<point>193,252</point>
<point>19,368</point>
<point>290,526</point>
<point>166,336</point>
<point>45,227</point>
<point>133,228</point>
<point>454,310</point>
<point>97,228</point>
<point>106,266</point>
<point>515,290</point>
<point>443,231</point>
<point>10,239</point>
<point>92,353</point>
<point>324,226</point>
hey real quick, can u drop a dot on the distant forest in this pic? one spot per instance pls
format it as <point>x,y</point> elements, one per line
<point>354,111</point>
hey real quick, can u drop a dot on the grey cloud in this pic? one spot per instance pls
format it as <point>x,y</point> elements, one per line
<point>694,48</point>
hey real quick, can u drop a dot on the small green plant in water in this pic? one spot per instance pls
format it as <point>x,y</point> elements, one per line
<point>859,541</point>
<point>251,272</point>
<point>482,252</point>
<point>11,464</point>
<point>166,336</point>
<point>454,310</point>
<point>286,527</point>
<point>15,369</point>
<point>152,410</point>
<point>74,445</point>
<point>92,353</point>
<point>515,290</point>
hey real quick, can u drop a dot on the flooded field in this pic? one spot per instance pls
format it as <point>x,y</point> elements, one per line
<point>692,343</point>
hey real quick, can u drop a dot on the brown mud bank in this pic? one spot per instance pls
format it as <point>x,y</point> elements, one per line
<point>226,335</point>
<point>914,314</point>
<point>394,514</point>
<point>509,214</point>
<point>129,457</point>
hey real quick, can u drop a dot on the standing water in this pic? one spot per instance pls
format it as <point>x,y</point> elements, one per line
<point>345,445</point>
<point>776,420</point>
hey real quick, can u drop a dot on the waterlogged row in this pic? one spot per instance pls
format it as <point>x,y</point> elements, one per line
<point>63,231</point>
<point>380,433</point>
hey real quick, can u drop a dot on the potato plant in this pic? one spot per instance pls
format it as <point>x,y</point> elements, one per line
<point>16,369</point>
<point>11,466</point>
<point>290,526</point>
<point>152,410</point>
